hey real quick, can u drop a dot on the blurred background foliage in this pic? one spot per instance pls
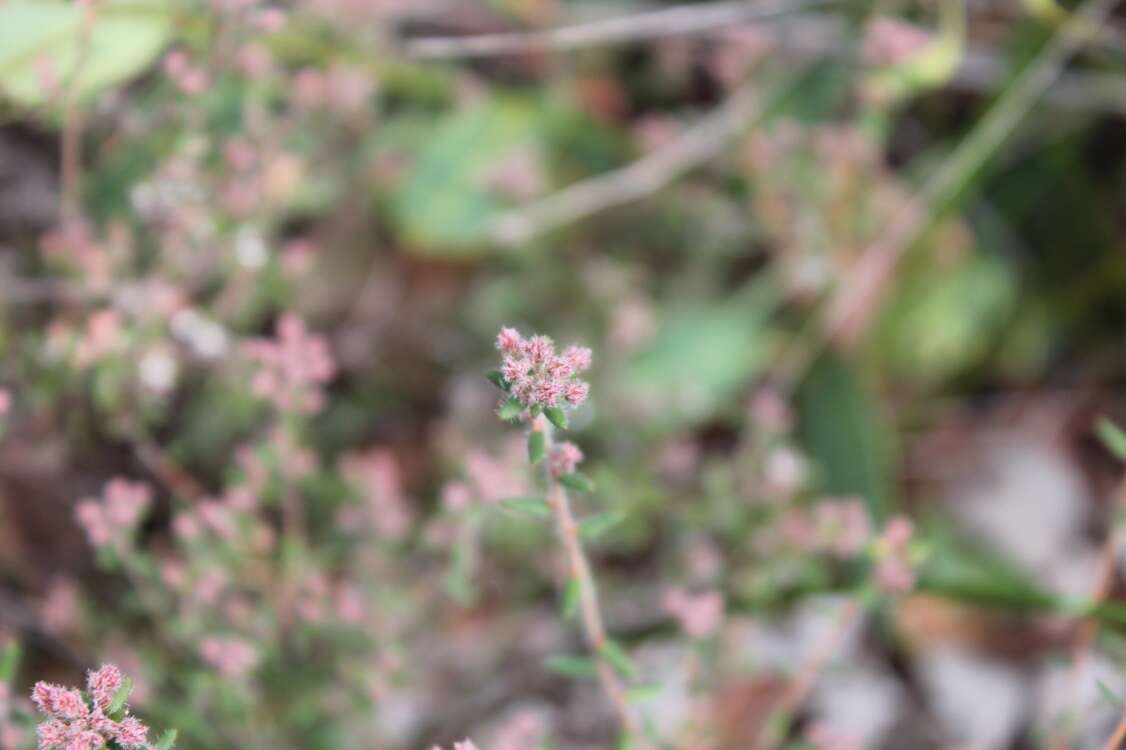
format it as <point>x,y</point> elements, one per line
<point>905,220</point>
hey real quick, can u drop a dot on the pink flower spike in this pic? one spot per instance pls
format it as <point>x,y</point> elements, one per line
<point>509,341</point>
<point>103,685</point>
<point>578,357</point>
<point>130,732</point>
<point>576,392</point>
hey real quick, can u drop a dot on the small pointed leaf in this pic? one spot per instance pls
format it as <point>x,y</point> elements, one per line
<point>572,666</point>
<point>532,506</point>
<point>571,598</point>
<point>117,705</point>
<point>510,409</point>
<point>1112,436</point>
<point>167,740</point>
<point>618,659</point>
<point>536,446</point>
<point>498,380</point>
<point>577,481</point>
<point>556,416</point>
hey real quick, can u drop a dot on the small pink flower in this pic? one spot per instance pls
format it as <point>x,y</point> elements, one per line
<point>576,392</point>
<point>538,350</point>
<point>103,685</point>
<point>52,734</point>
<point>130,733</point>
<point>564,459</point>
<point>578,357</point>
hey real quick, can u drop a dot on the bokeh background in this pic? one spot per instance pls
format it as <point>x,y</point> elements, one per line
<point>838,262</point>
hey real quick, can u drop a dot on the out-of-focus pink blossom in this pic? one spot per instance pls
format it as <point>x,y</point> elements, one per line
<point>699,615</point>
<point>894,573</point>
<point>5,401</point>
<point>537,376</point>
<point>231,656</point>
<point>386,507</point>
<point>564,459</point>
<point>890,41</point>
<point>292,367</point>
<point>110,521</point>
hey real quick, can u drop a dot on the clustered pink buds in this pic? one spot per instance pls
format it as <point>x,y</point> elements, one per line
<point>293,367</point>
<point>109,521</point>
<point>564,459</point>
<point>537,376</point>
<point>894,572</point>
<point>75,724</point>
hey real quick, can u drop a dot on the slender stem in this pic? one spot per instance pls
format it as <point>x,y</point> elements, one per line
<point>594,630</point>
<point>1115,741</point>
<point>799,688</point>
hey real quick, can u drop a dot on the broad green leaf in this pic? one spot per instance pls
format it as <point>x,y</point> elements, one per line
<point>125,37</point>
<point>577,481</point>
<point>701,359</point>
<point>1112,436</point>
<point>556,416</point>
<point>536,446</point>
<point>445,206</point>
<point>842,433</point>
<point>572,666</point>
<point>618,659</point>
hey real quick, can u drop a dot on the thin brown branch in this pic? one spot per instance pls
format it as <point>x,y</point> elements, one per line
<point>677,20</point>
<point>706,140</point>
<point>594,629</point>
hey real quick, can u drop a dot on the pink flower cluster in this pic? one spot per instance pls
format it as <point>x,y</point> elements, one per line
<point>564,459</point>
<point>109,521</point>
<point>837,527</point>
<point>293,366</point>
<point>894,572</point>
<point>537,375</point>
<point>74,724</point>
<point>230,656</point>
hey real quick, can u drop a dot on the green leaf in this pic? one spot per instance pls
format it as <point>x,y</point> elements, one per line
<point>9,661</point>
<point>577,481</point>
<point>572,666</point>
<point>1112,436</point>
<point>571,596</point>
<point>445,205</point>
<point>534,506</point>
<point>536,446</point>
<point>839,428</point>
<point>117,705</point>
<point>496,378</point>
<point>125,37</point>
<point>618,659</point>
<point>699,362</point>
<point>595,526</point>
<point>1111,697</point>
<point>167,740</point>
<point>556,416</point>
<point>510,409</point>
